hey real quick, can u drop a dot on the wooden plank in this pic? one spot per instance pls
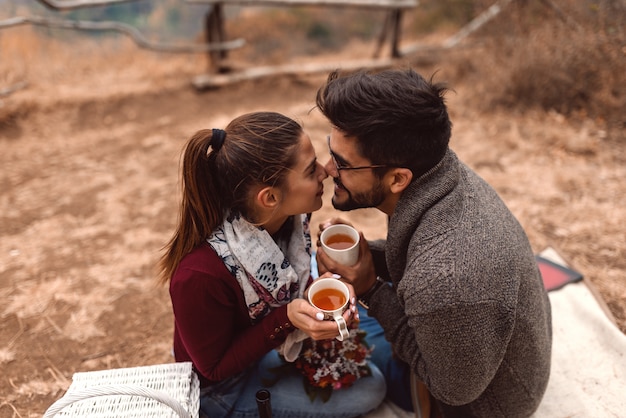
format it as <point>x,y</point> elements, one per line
<point>208,81</point>
<point>379,4</point>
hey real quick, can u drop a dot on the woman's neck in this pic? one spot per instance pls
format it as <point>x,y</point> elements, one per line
<point>274,225</point>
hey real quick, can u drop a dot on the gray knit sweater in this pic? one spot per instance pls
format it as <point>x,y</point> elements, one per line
<point>468,311</point>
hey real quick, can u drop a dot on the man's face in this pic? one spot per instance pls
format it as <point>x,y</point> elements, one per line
<point>356,185</point>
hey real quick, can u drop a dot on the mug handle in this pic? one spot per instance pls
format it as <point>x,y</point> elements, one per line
<point>344,332</point>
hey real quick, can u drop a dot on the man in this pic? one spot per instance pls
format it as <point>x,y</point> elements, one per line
<point>466,310</point>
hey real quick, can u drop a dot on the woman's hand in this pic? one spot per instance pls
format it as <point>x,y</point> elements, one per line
<point>311,321</point>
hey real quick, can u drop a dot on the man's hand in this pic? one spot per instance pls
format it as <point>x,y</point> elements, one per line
<point>362,275</point>
<point>321,267</point>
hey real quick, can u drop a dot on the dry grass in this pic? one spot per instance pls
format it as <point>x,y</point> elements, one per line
<point>57,65</point>
<point>573,63</point>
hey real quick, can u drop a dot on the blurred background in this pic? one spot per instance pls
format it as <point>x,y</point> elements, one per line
<point>562,55</point>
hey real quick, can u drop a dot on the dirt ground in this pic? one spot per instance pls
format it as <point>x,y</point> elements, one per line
<point>89,187</point>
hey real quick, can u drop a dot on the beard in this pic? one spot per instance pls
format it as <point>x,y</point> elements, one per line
<point>372,198</point>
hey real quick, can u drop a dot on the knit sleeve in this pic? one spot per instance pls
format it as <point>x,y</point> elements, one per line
<point>212,326</point>
<point>457,352</point>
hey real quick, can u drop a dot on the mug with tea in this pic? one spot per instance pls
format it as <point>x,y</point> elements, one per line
<point>341,243</point>
<point>331,296</point>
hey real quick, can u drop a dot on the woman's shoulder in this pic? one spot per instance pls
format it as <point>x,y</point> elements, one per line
<point>201,261</point>
<point>200,256</point>
<point>201,282</point>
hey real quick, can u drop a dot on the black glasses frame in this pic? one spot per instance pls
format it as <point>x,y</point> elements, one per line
<point>339,168</point>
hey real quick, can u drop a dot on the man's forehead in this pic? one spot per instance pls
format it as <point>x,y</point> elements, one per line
<point>339,135</point>
<point>346,146</point>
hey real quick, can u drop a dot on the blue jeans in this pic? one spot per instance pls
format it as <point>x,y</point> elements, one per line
<point>397,373</point>
<point>235,397</point>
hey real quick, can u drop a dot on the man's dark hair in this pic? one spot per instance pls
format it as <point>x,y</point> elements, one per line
<point>398,117</point>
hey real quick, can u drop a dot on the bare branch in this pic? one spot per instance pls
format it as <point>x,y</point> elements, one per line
<point>75,4</point>
<point>5,91</point>
<point>129,30</point>
<point>464,32</point>
<point>476,23</point>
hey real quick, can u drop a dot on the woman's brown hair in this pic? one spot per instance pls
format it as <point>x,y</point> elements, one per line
<point>217,177</point>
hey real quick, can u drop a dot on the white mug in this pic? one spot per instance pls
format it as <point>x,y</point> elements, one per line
<point>331,296</point>
<point>341,243</point>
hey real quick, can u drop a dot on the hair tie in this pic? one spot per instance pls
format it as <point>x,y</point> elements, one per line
<point>217,139</point>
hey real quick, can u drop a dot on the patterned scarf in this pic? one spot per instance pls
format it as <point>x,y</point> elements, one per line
<point>270,273</point>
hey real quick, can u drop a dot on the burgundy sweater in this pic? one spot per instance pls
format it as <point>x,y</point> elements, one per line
<point>212,327</point>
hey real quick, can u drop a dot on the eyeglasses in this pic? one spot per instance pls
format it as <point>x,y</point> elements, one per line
<point>340,167</point>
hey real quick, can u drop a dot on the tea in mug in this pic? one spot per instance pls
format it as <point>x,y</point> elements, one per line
<point>339,241</point>
<point>329,299</point>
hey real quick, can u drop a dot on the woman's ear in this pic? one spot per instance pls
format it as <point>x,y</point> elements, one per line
<point>267,197</point>
<point>399,179</point>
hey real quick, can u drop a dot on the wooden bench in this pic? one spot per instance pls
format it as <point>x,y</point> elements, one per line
<point>216,34</point>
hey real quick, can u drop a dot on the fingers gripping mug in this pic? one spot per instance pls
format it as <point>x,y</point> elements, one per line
<point>341,243</point>
<point>331,296</point>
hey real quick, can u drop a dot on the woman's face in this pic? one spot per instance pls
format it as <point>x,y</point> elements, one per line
<point>303,189</point>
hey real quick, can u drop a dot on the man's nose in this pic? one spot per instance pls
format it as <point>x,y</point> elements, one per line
<point>331,169</point>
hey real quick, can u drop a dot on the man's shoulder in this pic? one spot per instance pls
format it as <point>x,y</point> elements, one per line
<point>452,266</point>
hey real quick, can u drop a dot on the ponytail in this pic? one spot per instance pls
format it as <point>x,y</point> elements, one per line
<point>201,209</point>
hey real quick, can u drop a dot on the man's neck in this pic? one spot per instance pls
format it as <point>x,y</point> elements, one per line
<point>388,206</point>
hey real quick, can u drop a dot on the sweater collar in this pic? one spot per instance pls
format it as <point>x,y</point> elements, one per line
<point>421,195</point>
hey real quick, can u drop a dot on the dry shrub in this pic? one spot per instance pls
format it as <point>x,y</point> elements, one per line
<point>569,60</point>
<point>48,68</point>
<point>564,70</point>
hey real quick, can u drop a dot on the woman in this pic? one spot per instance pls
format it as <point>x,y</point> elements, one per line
<point>239,263</point>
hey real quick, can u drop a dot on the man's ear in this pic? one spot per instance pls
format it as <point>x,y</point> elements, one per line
<point>267,197</point>
<point>399,179</point>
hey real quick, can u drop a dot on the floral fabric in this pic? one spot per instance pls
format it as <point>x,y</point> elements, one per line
<point>270,273</point>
